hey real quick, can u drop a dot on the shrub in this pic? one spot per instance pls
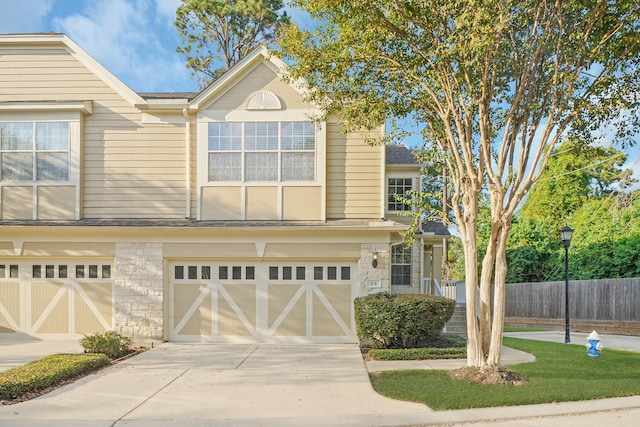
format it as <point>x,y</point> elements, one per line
<point>110,343</point>
<point>47,372</point>
<point>418,353</point>
<point>401,320</point>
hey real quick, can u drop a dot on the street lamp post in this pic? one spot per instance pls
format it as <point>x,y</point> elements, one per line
<point>565,235</point>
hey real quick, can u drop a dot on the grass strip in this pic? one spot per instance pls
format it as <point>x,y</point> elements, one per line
<point>561,373</point>
<point>47,372</point>
<point>417,353</point>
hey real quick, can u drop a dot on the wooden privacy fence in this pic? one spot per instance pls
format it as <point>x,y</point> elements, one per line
<point>609,304</point>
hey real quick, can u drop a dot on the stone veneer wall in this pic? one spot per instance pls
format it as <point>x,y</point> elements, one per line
<point>380,274</point>
<point>139,290</point>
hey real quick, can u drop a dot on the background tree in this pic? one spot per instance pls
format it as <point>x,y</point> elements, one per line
<point>216,34</point>
<point>575,173</point>
<point>495,84</point>
<point>584,187</point>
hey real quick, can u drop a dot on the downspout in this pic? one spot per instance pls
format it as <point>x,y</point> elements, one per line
<point>187,141</point>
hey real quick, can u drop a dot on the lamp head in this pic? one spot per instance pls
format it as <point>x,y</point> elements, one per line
<point>565,235</point>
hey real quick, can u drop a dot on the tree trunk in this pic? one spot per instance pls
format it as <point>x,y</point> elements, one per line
<point>495,348</point>
<point>468,220</point>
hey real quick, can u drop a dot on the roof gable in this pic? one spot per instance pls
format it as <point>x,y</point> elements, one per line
<point>259,57</point>
<point>57,39</point>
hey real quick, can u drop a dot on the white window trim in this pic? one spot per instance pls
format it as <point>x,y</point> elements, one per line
<point>74,119</point>
<point>396,175</point>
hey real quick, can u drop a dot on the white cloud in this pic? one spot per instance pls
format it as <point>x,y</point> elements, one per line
<point>23,16</point>
<point>166,10</point>
<point>126,37</point>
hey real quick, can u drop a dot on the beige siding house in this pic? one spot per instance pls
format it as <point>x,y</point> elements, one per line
<point>227,215</point>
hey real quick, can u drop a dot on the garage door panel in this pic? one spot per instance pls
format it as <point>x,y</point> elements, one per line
<point>49,308</point>
<point>9,307</point>
<point>324,322</point>
<point>338,297</point>
<point>290,306</point>
<point>93,307</point>
<point>192,309</point>
<point>237,309</point>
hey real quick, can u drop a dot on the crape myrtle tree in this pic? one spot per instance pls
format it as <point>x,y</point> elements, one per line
<point>216,34</point>
<point>496,85</point>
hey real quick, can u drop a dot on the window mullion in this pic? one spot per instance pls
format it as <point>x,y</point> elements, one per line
<point>34,153</point>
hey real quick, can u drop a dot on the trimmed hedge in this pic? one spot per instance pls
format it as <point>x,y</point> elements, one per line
<point>401,320</point>
<point>418,353</point>
<point>47,372</point>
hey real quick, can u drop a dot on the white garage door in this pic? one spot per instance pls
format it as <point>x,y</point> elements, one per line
<point>228,302</point>
<point>56,299</point>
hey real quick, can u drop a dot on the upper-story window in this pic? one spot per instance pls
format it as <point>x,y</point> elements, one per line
<point>398,187</point>
<point>34,151</point>
<point>261,151</point>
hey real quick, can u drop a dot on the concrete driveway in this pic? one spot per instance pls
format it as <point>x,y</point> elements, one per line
<point>201,384</point>
<point>270,385</point>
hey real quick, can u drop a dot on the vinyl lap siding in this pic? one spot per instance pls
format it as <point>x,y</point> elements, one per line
<point>128,170</point>
<point>353,176</point>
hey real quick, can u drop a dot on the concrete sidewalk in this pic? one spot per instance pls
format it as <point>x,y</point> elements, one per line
<point>279,385</point>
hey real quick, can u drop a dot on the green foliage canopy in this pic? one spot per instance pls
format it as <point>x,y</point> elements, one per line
<point>216,34</point>
<point>495,83</point>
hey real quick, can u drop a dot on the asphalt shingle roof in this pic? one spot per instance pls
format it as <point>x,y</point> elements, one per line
<point>400,155</point>
<point>436,228</point>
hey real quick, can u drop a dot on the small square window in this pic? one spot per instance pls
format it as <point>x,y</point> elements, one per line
<point>178,272</point>
<point>192,271</point>
<point>62,271</point>
<point>36,271</point>
<point>332,273</point>
<point>205,272</point>
<point>3,272</point>
<point>317,273</point>
<point>286,273</point>
<point>236,272</point>
<point>50,272</point>
<point>345,273</point>
<point>223,272</point>
<point>250,272</point>
<point>93,272</point>
<point>13,271</point>
<point>80,271</point>
<point>300,273</point>
<point>273,273</point>
<point>106,272</point>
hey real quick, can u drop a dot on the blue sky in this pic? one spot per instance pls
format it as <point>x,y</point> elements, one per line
<point>133,39</point>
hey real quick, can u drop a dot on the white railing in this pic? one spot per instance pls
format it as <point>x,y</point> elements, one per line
<point>453,289</point>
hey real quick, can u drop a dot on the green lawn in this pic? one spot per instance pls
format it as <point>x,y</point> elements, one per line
<point>561,373</point>
<point>514,329</point>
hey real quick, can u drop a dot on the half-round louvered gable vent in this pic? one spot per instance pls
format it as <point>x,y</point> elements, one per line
<point>262,100</point>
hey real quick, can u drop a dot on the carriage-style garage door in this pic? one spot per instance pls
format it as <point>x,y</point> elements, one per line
<point>262,301</point>
<point>56,299</point>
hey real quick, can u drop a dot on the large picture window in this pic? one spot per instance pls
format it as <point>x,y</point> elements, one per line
<point>261,151</point>
<point>34,151</point>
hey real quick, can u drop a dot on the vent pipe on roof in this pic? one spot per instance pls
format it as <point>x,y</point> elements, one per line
<point>187,141</point>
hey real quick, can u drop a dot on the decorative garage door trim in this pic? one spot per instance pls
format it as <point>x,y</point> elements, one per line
<point>262,301</point>
<point>60,298</point>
